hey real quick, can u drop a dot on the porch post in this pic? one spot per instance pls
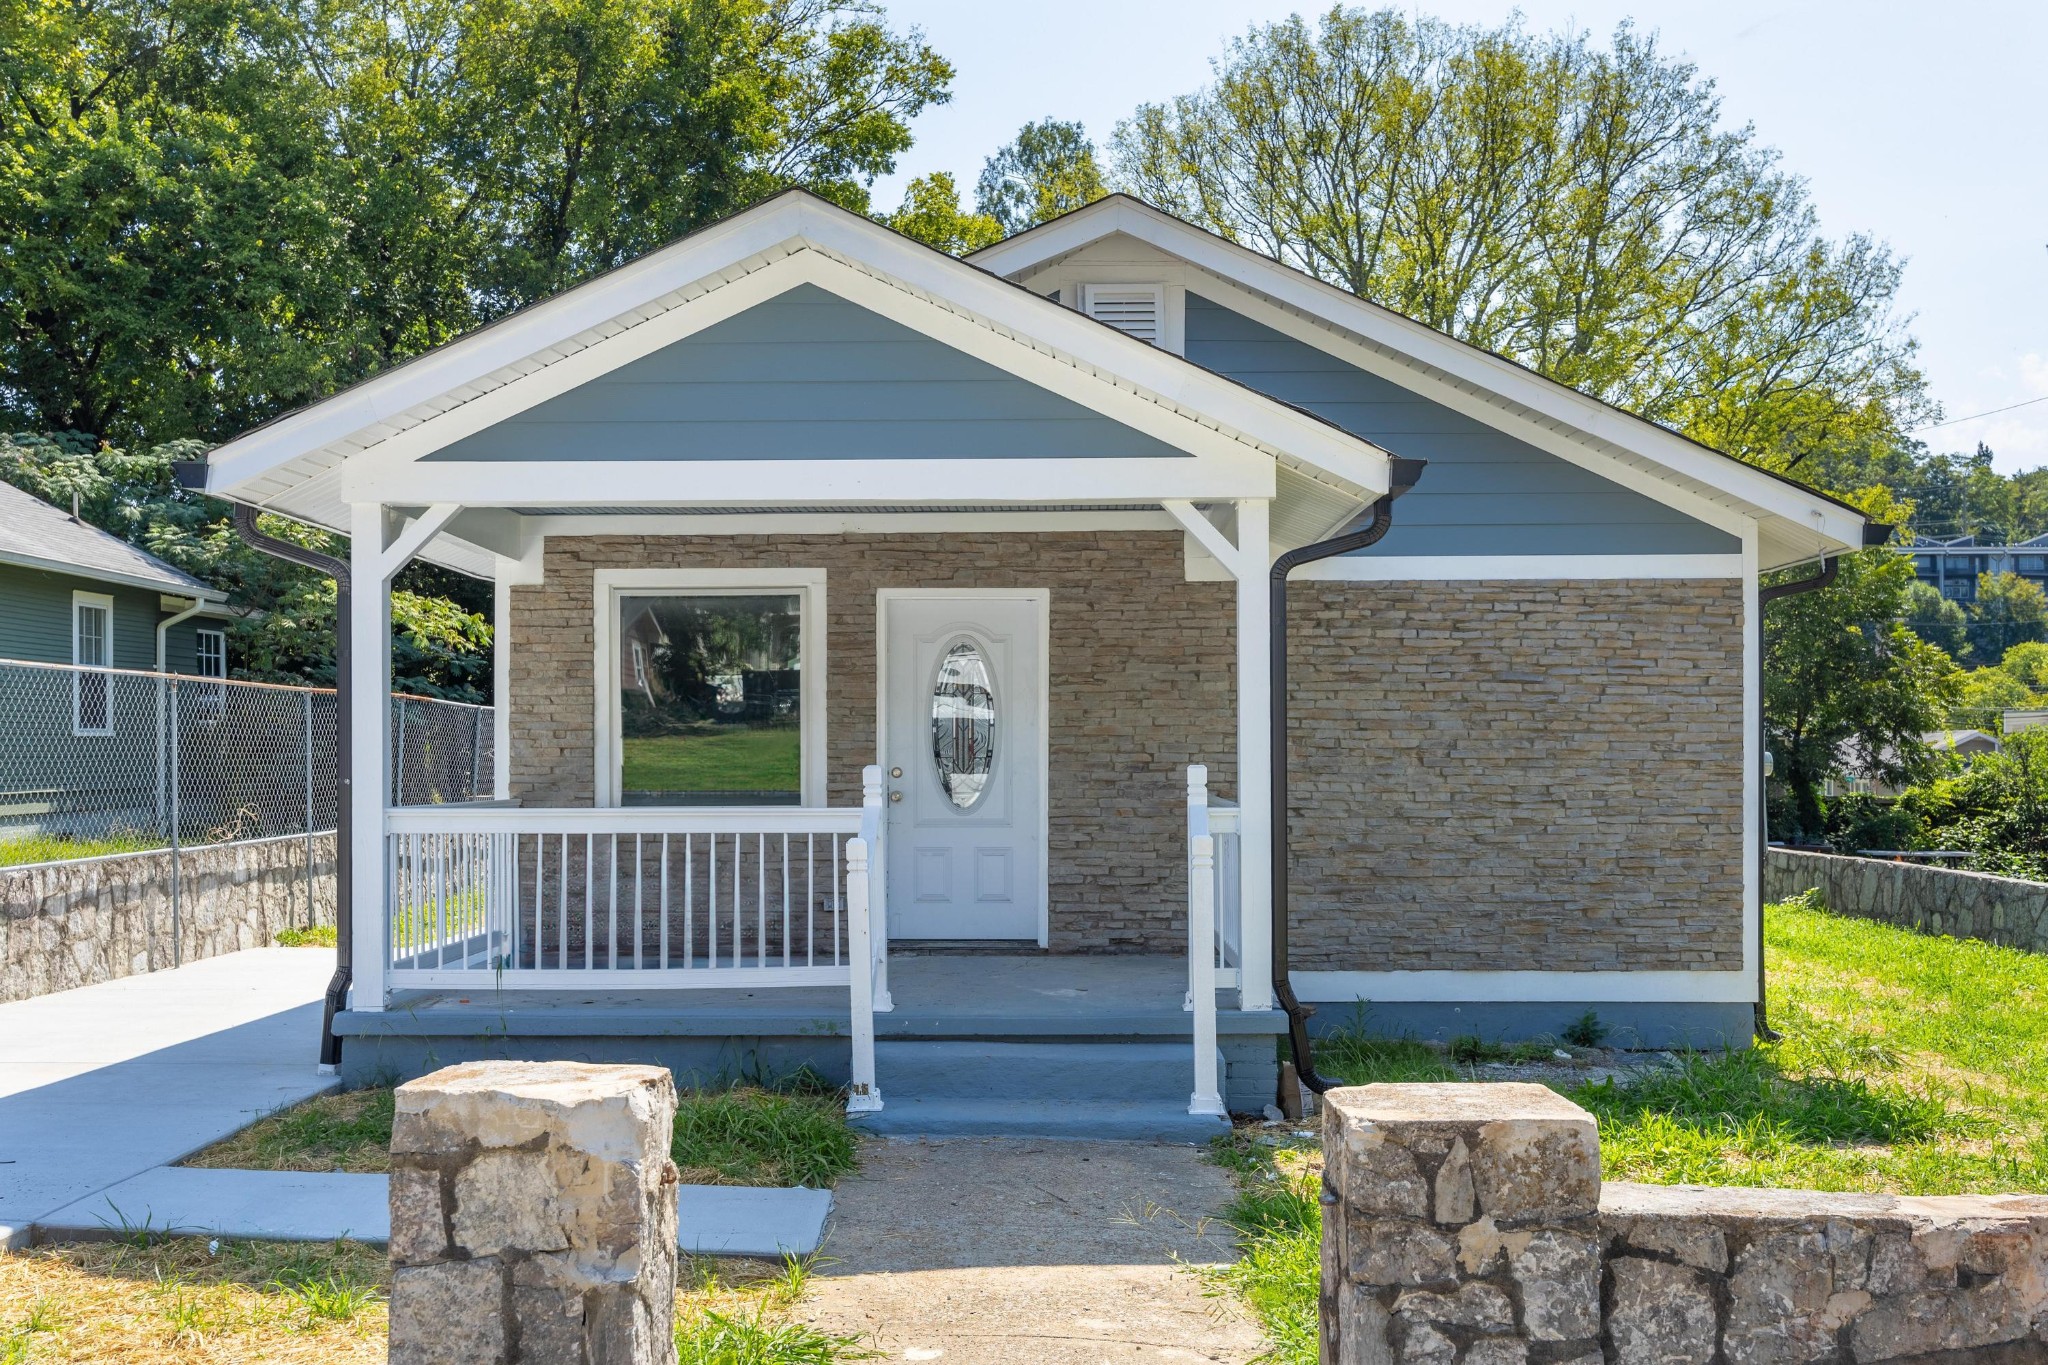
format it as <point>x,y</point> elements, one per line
<point>1254,758</point>
<point>370,747</point>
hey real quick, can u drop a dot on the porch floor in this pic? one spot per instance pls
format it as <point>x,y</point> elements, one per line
<point>975,995</point>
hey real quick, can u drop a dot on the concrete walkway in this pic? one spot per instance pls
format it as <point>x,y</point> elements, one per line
<point>103,1083</point>
<point>988,1251</point>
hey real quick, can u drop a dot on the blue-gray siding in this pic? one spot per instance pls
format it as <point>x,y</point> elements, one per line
<point>1485,492</point>
<point>35,621</point>
<point>806,376</point>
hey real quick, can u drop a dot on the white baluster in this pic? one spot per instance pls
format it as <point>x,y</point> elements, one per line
<point>1207,1097</point>
<point>1198,825</point>
<point>863,1096</point>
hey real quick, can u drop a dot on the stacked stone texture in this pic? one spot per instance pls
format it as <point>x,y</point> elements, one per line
<point>533,1216</point>
<point>1934,900</point>
<point>1699,1275</point>
<point>68,924</point>
<point>1469,758</point>
<point>1517,775</point>
<point>1467,1223</point>
<point>1461,1224</point>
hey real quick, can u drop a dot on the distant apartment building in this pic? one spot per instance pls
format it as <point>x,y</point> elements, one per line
<point>1952,565</point>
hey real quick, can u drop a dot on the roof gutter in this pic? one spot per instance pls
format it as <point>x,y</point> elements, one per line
<point>1403,476</point>
<point>192,474</point>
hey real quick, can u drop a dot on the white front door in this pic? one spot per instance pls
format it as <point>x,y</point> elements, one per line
<point>963,758</point>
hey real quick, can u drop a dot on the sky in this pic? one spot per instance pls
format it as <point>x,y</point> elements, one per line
<point>1921,124</point>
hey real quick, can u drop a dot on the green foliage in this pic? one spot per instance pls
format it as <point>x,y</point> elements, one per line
<point>20,849</point>
<point>221,209</point>
<point>1938,620</point>
<point>1586,1030</point>
<point>1962,495</point>
<point>1859,820</point>
<point>319,936</point>
<point>1047,170</point>
<point>931,213</point>
<point>1847,685</point>
<point>2027,662</point>
<point>1997,807</point>
<point>2007,611</point>
<point>1982,695</point>
<point>1577,208</point>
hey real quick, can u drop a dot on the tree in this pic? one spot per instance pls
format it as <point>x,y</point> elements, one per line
<point>1846,684</point>
<point>1578,209</point>
<point>1047,170</point>
<point>1984,695</point>
<point>285,632</point>
<point>2009,610</point>
<point>218,210</point>
<point>931,213</point>
<point>2028,662</point>
<point>1937,620</point>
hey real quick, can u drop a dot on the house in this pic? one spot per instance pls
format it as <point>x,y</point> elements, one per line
<point>1953,565</point>
<point>1964,744</point>
<point>71,593</point>
<point>1022,511</point>
<point>80,754</point>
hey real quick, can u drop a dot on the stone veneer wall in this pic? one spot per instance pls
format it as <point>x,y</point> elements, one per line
<point>1934,900</point>
<point>1468,1224</point>
<point>1142,668</point>
<point>1497,775</point>
<point>74,923</point>
<point>1518,775</point>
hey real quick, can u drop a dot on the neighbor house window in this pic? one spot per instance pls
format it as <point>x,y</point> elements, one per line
<point>211,654</point>
<point>92,647</point>
<point>714,691</point>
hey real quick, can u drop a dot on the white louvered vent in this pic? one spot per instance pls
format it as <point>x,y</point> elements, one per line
<point>1137,310</point>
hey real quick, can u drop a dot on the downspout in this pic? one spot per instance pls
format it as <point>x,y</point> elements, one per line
<point>192,474</point>
<point>1874,534</point>
<point>1405,473</point>
<point>163,631</point>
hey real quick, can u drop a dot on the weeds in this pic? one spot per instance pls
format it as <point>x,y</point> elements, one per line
<point>750,1136</point>
<point>1586,1030</point>
<point>319,936</point>
<point>344,1132</point>
<point>744,1321</point>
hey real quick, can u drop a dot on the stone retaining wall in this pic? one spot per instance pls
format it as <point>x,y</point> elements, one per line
<point>1934,900</point>
<point>1467,1224</point>
<point>75,923</point>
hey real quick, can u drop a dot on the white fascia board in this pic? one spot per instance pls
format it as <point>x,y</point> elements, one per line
<point>1728,988</point>
<point>1338,309</point>
<point>839,523</point>
<point>114,576</point>
<point>1544,568</point>
<point>749,483</point>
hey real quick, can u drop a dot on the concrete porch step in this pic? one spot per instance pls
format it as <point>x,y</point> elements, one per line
<point>1079,1089</point>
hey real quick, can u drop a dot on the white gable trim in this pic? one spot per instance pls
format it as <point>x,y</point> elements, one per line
<point>1332,312</point>
<point>875,267</point>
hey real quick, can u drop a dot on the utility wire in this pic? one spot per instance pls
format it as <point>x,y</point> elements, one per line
<point>1958,421</point>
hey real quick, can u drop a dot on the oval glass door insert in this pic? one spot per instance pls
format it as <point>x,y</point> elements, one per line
<point>963,723</point>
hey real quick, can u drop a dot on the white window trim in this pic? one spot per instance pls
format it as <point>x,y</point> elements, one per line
<point>199,653</point>
<point>807,584</point>
<point>104,602</point>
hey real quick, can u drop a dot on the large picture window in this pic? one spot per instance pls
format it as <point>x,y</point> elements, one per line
<point>709,695</point>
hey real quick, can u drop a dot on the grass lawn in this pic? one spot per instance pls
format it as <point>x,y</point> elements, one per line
<point>710,758</point>
<point>746,1135</point>
<point>155,1299</point>
<point>1911,1065</point>
<point>52,848</point>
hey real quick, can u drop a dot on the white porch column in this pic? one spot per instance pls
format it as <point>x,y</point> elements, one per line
<point>369,681</point>
<point>1254,757</point>
<point>501,684</point>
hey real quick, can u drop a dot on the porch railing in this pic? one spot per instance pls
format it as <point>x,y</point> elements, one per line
<point>643,899</point>
<point>1204,942</point>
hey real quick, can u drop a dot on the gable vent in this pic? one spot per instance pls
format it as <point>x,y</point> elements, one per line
<point>1134,309</point>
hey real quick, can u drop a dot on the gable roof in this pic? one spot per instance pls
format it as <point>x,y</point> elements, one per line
<point>35,535</point>
<point>1796,523</point>
<point>295,463</point>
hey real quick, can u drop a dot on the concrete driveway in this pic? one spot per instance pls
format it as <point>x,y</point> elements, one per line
<point>102,1083</point>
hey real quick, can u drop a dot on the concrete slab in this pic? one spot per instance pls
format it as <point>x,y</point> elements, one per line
<point>726,1220</point>
<point>275,1206</point>
<point>291,1206</point>
<point>103,1083</point>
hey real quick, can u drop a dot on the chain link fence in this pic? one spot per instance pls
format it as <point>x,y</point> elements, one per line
<point>97,760</point>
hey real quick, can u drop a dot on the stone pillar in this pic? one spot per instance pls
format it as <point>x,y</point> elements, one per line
<point>533,1216</point>
<point>1460,1223</point>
